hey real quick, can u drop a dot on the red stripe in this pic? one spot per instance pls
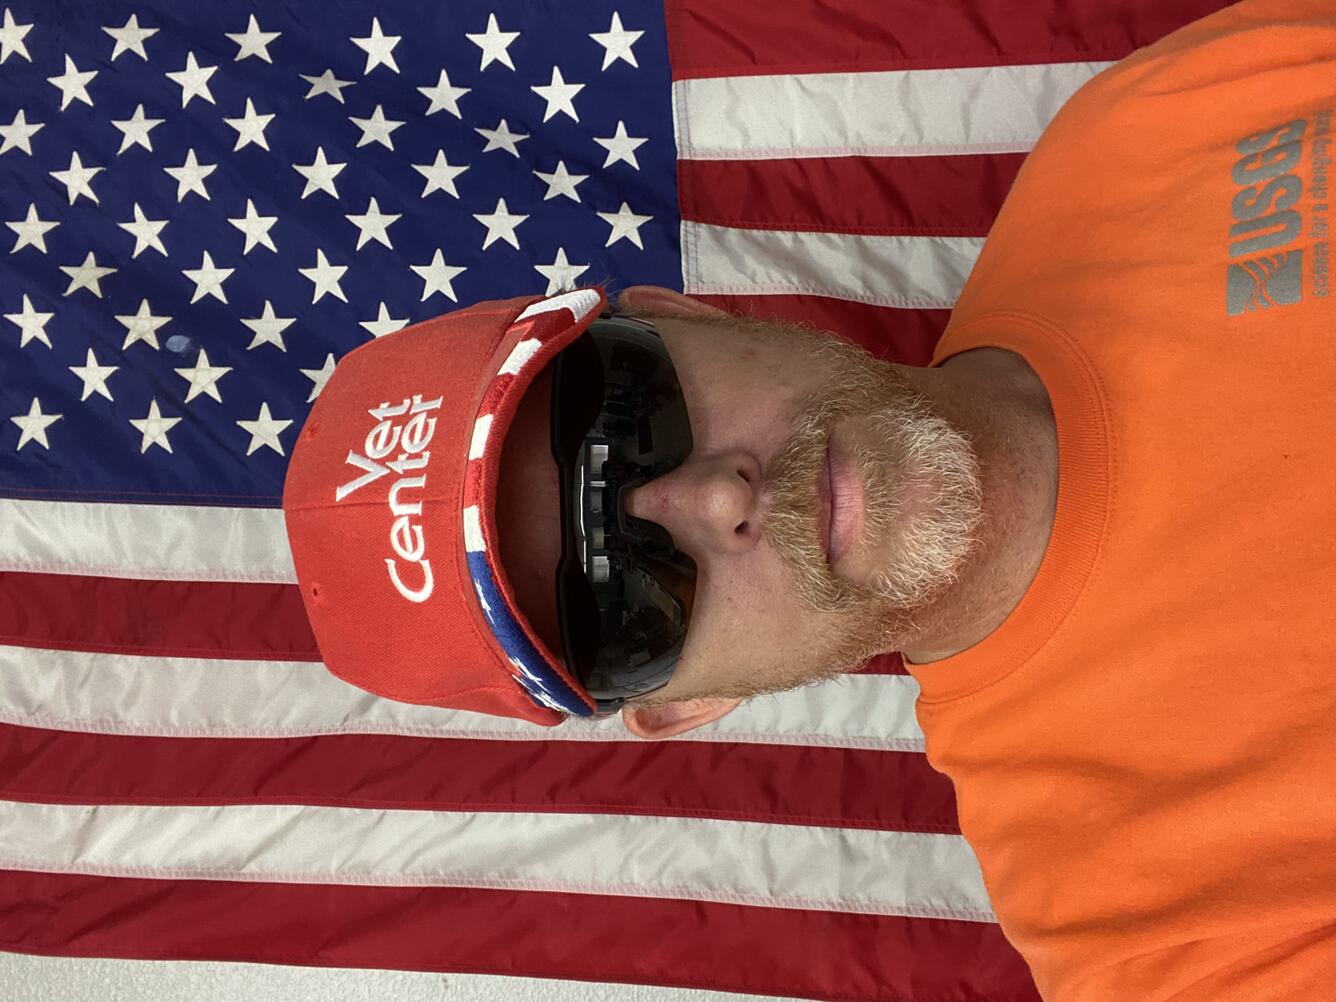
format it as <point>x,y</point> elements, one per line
<point>832,787</point>
<point>707,38</point>
<point>918,196</point>
<point>904,336</point>
<point>686,944</point>
<point>165,618</point>
<point>262,622</point>
<point>883,664</point>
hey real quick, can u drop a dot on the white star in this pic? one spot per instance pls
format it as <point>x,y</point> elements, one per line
<point>384,323</point>
<point>268,328</point>
<point>33,425</point>
<point>31,324</point>
<point>560,182</point>
<point>18,132</point>
<point>73,84</point>
<point>256,227</point>
<point>493,43</point>
<point>190,176</point>
<point>86,275</point>
<point>130,38</point>
<point>326,83</point>
<point>559,95</point>
<point>621,147</point>
<point>194,80</point>
<point>373,225</point>
<point>500,225</point>
<point>617,42</point>
<point>94,376</point>
<point>203,377</point>
<point>501,138</point>
<point>326,277</point>
<point>250,127</point>
<point>135,130</point>
<point>142,326</point>
<point>145,231</point>
<point>264,430</point>
<point>437,276</point>
<point>443,96</point>
<point>319,377</point>
<point>376,129</point>
<point>440,175</point>
<point>76,179</point>
<point>253,41</point>
<point>154,428</point>
<point>208,279</point>
<point>379,48</point>
<point>536,685</point>
<point>625,223</point>
<point>319,173</point>
<point>11,38</point>
<point>31,231</point>
<point>560,274</point>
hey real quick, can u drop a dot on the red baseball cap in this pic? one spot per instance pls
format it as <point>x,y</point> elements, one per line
<point>390,503</point>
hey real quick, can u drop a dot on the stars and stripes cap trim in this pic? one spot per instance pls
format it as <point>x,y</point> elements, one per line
<point>390,504</point>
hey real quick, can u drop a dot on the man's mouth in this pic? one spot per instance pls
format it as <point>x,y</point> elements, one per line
<point>844,504</point>
<point>827,504</point>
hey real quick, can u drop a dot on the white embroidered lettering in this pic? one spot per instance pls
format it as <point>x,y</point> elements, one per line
<point>410,438</point>
<point>423,593</point>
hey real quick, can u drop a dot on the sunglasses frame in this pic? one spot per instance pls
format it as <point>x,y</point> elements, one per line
<point>612,554</point>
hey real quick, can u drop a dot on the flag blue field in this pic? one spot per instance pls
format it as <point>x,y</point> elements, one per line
<point>206,214</point>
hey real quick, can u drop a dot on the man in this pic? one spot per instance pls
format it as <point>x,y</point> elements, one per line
<point>941,530</point>
<point>1098,525</point>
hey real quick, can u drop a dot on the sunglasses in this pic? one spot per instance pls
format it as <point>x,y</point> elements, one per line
<point>624,590</point>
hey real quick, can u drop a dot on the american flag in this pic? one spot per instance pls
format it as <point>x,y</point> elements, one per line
<point>209,205</point>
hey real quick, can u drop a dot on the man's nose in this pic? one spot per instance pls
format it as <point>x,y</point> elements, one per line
<point>708,504</point>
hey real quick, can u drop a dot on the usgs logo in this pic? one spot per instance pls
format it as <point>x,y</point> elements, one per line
<point>406,427</point>
<point>1265,220</point>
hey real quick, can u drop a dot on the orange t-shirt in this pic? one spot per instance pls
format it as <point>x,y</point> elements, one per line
<point>1144,752</point>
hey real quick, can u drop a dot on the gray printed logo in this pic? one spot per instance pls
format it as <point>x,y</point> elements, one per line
<point>1267,220</point>
<point>1264,282</point>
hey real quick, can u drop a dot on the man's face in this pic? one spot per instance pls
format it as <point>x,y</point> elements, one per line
<point>764,399</point>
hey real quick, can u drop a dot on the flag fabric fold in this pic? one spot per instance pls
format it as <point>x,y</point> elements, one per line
<point>203,209</point>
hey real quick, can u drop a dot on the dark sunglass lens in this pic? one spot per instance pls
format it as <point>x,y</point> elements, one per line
<point>622,630</point>
<point>577,395</point>
<point>577,608</point>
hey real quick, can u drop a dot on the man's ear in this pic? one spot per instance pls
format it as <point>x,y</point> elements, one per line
<point>667,719</point>
<point>657,299</point>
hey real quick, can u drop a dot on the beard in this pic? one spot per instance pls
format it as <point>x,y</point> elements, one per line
<point>922,488</point>
<point>921,485</point>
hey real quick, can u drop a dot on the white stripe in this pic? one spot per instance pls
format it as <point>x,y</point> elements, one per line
<point>60,979</point>
<point>158,541</point>
<point>904,272</point>
<point>580,303</point>
<point>479,442</point>
<point>519,356</point>
<point>196,697</point>
<point>473,541</point>
<point>987,109</point>
<point>700,859</point>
